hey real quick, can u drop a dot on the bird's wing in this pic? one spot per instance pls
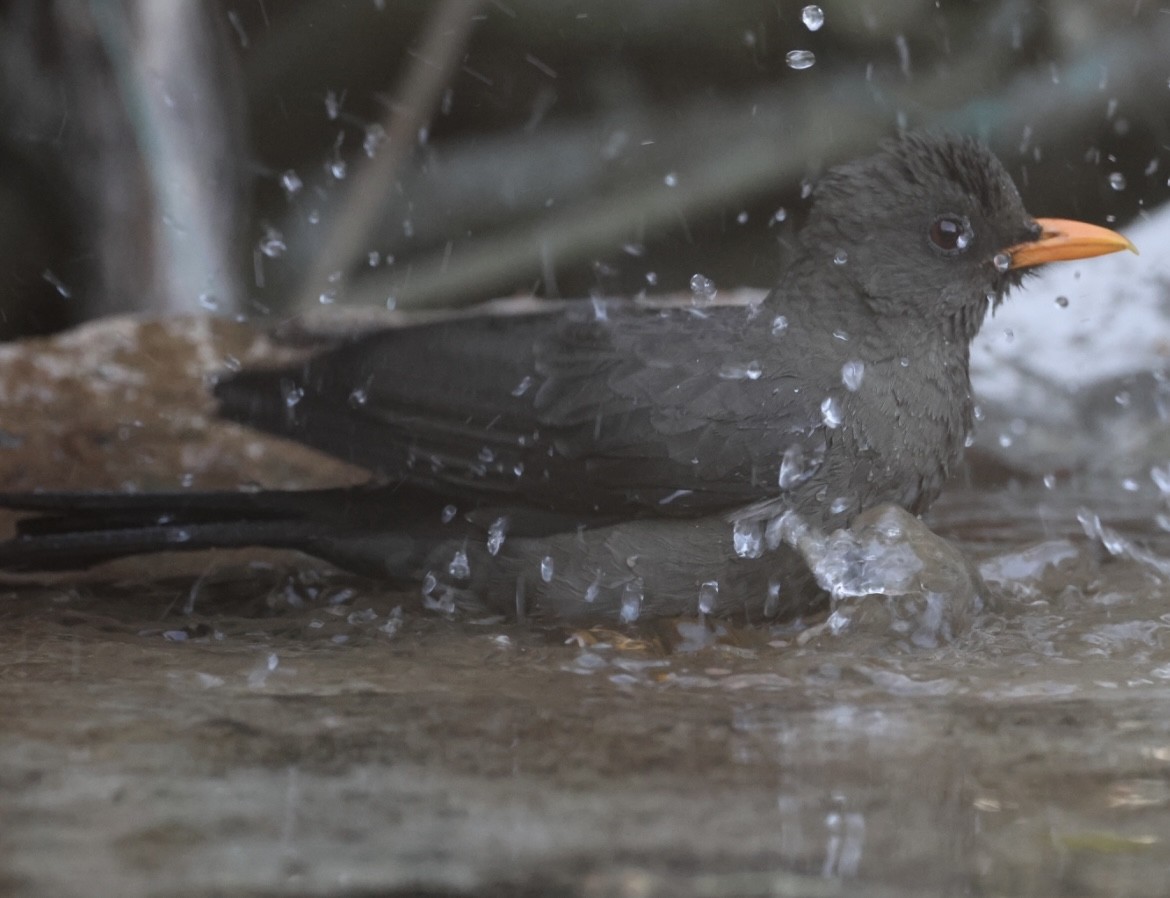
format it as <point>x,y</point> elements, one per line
<point>631,411</point>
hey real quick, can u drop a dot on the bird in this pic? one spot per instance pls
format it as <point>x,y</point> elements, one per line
<point>602,460</point>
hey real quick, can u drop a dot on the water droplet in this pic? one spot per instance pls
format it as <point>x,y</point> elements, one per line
<point>652,278</point>
<point>57,284</point>
<point>841,335</point>
<point>633,249</point>
<point>497,532</point>
<point>749,371</point>
<point>831,411</point>
<point>332,105</point>
<point>632,596</point>
<point>840,257</point>
<point>852,374</point>
<point>779,325</point>
<point>840,504</point>
<point>969,439</point>
<point>742,218</point>
<point>671,179</point>
<point>800,59</point>
<point>795,468</point>
<point>209,301</point>
<point>708,596</point>
<point>1002,262</point>
<point>338,169</point>
<point>273,244</point>
<point>1130,485</point>
<point>375,137</point>
<point>702,289</point>
<point>780,214</point>
<point>772,602</point>
<point>448,515</point>
<point>1062,302</point>
<point>746,539</point>
<point>1005,440</point>
<point>547,569</point>
<point>292,394</point>
<point>1049,481</point>
<point>813,17</point>
<point>1117,181</point>
<point>487,455</point>
<point>358,397</point>
<point>459,568</point>
<point>291,183</point>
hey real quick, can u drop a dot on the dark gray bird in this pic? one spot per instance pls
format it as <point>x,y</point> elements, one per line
<point>599,460</point>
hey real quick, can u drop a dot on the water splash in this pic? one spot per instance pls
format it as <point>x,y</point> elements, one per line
<point>831,412</point>
<point>800,59</point>
<point>852,374</point>
<point>708,596</point>
<point>497,533</point>
<point>746,539</point>
<point>632,598</point>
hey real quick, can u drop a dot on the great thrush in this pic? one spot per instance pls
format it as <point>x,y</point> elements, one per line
<point>605,459</point>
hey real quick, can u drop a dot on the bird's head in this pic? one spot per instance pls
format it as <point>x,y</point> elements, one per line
<point>933,227</point>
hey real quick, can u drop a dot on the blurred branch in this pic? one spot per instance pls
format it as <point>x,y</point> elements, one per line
<point>429,73</point>
<point>168,67</point>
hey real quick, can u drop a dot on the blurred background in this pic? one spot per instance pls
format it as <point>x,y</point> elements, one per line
<point>256,158</point>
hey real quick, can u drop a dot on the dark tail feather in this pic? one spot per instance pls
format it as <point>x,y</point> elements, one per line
<point>82,548</point>
<point>377,530</point>
<point>180,504</point>
<point>78,530</point>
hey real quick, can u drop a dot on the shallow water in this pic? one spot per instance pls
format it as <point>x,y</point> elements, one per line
<point>295,732</point>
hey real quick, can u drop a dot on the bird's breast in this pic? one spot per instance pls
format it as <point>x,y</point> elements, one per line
<point>907,425</point>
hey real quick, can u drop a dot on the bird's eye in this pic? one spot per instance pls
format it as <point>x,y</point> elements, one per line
<point>951,234</point>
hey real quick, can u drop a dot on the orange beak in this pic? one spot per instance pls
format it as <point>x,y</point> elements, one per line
<point>1061,240</point>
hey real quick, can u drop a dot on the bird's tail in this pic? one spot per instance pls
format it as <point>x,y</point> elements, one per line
<point>72,530</point>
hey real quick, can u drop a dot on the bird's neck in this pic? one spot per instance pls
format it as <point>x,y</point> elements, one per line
<point>828,300</point>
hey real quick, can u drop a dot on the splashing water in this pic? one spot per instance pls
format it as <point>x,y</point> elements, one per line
<point>800,59</point>
<point>703,289</point>
<point>746,539</point>
<point>460,567</point>
<point>497,533</point>
<point>708,596</point>
<point>813,17</point>
<point>749,371</point>
<point>632,596</point>
<point>852,374</point>
<point>831,412</point>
